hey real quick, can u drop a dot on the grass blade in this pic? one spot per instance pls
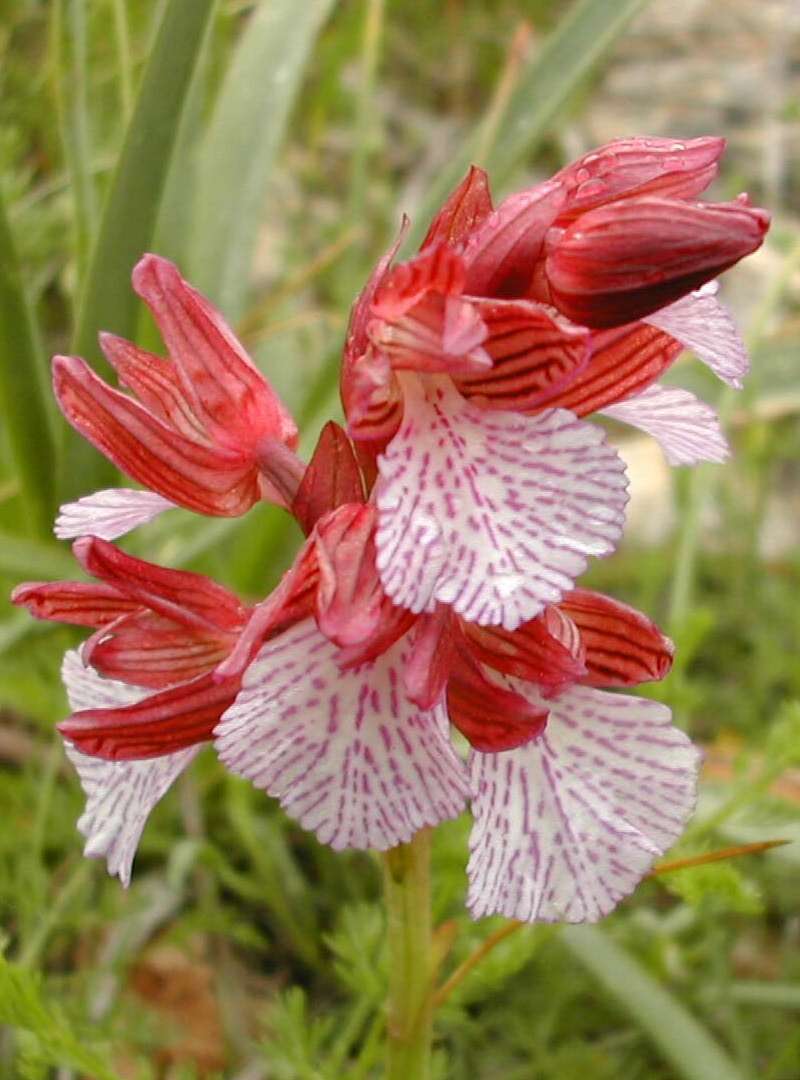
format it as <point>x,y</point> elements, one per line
<point>122,42</point>
<point>131,208</point>
<point>567,57</point>
<point>70,68</point>
<point>248,124</point>
<point>692,1051</point>
<point>23,390</point>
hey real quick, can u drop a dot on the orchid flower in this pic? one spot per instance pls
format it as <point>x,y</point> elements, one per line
<point>435,590</point>
<point>208,432</point>
<point>339,704</point>
<point>467,370</point>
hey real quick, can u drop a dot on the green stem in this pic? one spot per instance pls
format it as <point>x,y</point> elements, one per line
<point>408,903</point>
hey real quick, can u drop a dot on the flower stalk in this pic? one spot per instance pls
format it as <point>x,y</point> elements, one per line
<point>409,930</point>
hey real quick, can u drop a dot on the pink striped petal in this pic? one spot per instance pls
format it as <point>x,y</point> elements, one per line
<point>622,646</point>
<point>119,795</point>
<point>465,209</point>
<point>349,597</point>
<point>501,254</point>
<point>148,650</point>
<point>626,168</point>
<point>547,650</point>
<point>625,260</point>
<point>568,824</point>
<point>210,480</point>
<point>331,479</point>
<point>534,354</point>
<point>435,642</point>
<point>623,361</point>
<point>81,603</point>
<point>223,387</point>
<point>704,325</point>
<point>346,753</point>
<point>109,514</point>
<point>155,382</point>
<point>189,599</point>
<point>491,512</point>
<point>687,429</point>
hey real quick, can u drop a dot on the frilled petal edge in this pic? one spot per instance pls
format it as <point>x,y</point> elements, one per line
<point>347,755</point>
<point>119,795</point>
<point>567,825</point>
<point>490,512</point>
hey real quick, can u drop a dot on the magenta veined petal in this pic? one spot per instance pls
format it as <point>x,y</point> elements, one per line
<point>567,825</point>
<point>347,755</point>
<point>686,428</point>
<point>704,325</point>
<point>491,512</point>
<point>109,513</point>
<point>119,795</point>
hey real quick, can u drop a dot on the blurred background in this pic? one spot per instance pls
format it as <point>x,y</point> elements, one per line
<point>270,149</point>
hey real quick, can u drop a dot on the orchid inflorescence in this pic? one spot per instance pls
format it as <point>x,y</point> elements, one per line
<point>445,530</point>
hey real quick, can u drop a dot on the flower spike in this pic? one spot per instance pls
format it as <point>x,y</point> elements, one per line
<point>435,590</point>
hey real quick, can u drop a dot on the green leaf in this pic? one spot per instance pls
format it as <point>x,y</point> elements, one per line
<point>685,1043</point>
<point>69,42</point>
<point>131,209</point>
<point>244,135</point>
<point>23,1006</point>
<point>567,57</point>
<point>23,389</point>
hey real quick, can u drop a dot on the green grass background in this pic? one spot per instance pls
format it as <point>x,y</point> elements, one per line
<point>270,148</point>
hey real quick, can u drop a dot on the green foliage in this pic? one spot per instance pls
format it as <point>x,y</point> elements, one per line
<point>49,1037</point>
<point>721,887</point>
<point>295,1040</point>
<point>24,399</point>
<point>684,1041</point>
<point>272,154</point>
<point>250,115</point>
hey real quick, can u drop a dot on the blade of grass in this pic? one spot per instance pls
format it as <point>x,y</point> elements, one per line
<point>131,208</point>
<point>122,41</point>
<point>543,86</point>
<point>367,134</point>
<point>700,485</point>
<point>70,66</point>
<point>246,129</point>
<point>23,390</point>
<point>692,1051</point>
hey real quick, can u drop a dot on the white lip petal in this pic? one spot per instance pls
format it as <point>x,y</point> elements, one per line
<point>119,794</point>
<point>567,825</point>
<point>492,512</point>
<point>347,755</point>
